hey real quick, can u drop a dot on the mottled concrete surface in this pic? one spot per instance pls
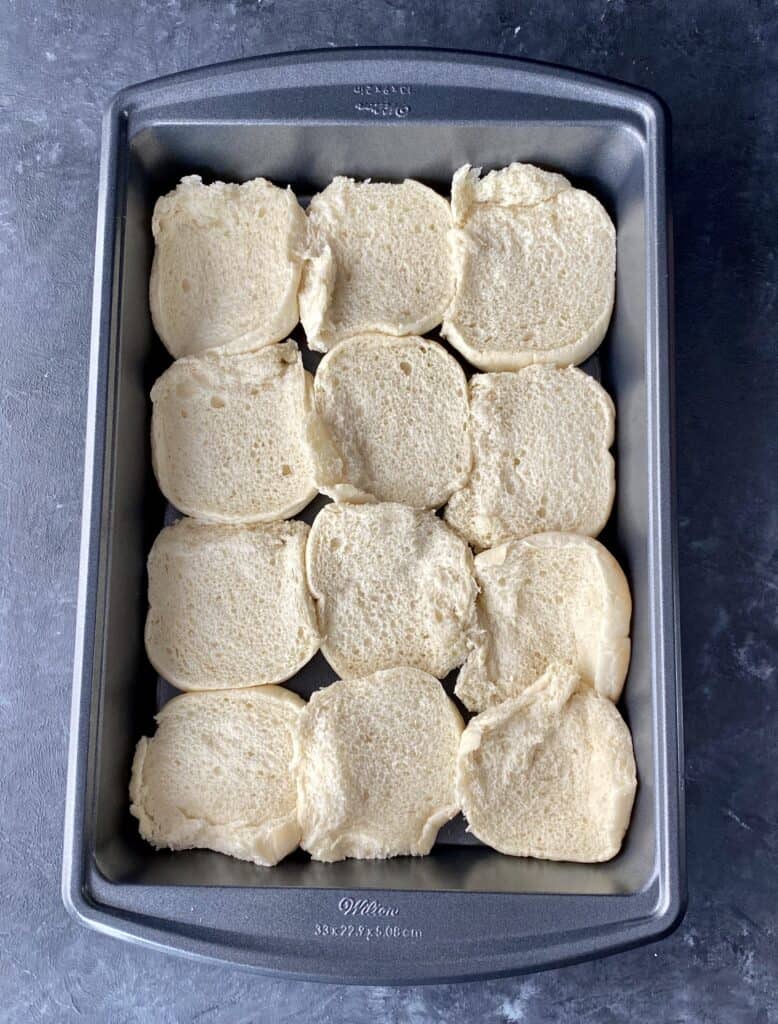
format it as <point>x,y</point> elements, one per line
<point>715,65</point>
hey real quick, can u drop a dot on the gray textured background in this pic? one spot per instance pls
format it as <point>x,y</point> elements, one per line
<point>715,64</point>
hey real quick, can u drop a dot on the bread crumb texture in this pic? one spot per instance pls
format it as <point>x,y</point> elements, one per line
<point>550,773</point>
<point>540,456</point>
<point>377,764</point>
<point>535,263</point>
<point>229,605</point>
<point>551,597</point>
<point>227,265</point>
<point>391,422</point>
<point>393,586</point>
<point>228,435</point>
<point>378,259</point>
<point>219,774</point>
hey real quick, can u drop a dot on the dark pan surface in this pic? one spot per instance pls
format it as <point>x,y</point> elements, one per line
<point>464,911</point>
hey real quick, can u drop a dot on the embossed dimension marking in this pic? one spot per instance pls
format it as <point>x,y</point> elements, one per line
<point>351,906</point>
<point>366,932</point>
<point>391,104</point>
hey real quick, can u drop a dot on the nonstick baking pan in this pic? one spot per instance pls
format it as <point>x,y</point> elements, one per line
<point>464,911</point>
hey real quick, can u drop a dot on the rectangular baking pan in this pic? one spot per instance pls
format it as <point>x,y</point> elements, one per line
<point>464,911</point>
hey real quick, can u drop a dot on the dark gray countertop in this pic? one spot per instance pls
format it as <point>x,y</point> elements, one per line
<point>715,65</point>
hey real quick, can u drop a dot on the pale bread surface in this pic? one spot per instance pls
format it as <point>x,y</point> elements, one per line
<point>550,773</point>
<point>377,764</point>
<point>535,265</point>
<point>218,774</point>
<point>227,265</point>
<point>393,586</point>
<point>554,597</point>
<point>391,422</point>
<point>540,456</point>
<point>378,260</point>
<point>228,437</point>
<point>229,605</point>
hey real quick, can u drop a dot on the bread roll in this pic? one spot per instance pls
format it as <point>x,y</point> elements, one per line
<point>391,422</point>
<point>551,597</point>
<point>393,586</point>
<point>535,267</point>
<point>550,773</point>
<point>219,774</point>
<point>229,605</point>
<point>227,264</point>
<point>227,435</point>
<point>540,456</point>
<point>377,761</point>
<point>378,259</point>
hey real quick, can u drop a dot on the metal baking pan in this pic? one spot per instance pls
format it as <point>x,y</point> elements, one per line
<point>465,911</point>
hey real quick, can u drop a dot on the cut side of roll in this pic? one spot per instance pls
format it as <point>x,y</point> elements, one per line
<point>551,597</point>
<point>549,774</point>
<point>540,456</point>
<point>218,774</point>
<point>393,586</point>
<point>229,605</point>
<point>378,260</point>
<point>227,265</point>
<point>227,435</point>
<point>391,422</point>
<point>535,265</point>
<point>376,767</point>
